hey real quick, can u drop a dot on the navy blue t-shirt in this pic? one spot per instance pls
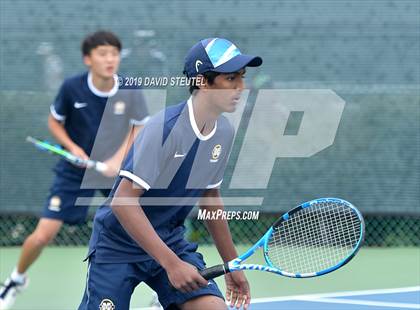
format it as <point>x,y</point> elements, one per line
<point>82,107</point>
<point>175,164</point>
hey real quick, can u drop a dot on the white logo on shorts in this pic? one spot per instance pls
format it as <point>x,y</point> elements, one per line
<point>55,203</point>
<point>106,304</point>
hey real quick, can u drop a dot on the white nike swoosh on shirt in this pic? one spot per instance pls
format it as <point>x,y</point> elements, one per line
<point>79,105</point>
<point>178,155</point>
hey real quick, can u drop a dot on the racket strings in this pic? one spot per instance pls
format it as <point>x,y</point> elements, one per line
<point>315,238</point>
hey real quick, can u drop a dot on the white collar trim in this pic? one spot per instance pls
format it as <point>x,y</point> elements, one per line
<point>194,124</point>
<point>100,93</point>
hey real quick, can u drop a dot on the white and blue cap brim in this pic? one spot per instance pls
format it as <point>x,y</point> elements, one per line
<point>218,55</point>
<point>238,62</point>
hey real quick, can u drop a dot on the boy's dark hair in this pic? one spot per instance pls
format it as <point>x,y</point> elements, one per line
<point>209,76</point>
<point>101,37</point>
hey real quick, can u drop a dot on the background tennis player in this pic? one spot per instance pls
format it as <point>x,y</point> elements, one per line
<point>76,114</point>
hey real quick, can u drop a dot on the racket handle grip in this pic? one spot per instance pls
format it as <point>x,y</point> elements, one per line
<point>215,271</point>
<point>100,166</point>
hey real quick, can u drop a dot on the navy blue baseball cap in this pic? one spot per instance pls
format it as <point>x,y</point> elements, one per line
<point>218,55</point>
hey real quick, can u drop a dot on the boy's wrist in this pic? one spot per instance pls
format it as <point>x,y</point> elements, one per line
<point>169,261</point>
<point>71,146</point>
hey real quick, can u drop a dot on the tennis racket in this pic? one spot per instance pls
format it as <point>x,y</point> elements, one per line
<point>311,240</point>
<point>58,150</point>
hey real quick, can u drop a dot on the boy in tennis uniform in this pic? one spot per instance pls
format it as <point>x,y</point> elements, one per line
<point>178,159</point>
<point>75,116</point>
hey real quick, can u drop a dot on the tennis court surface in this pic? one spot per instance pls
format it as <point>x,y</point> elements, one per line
<point>376,279</point>
<point>399,298</point>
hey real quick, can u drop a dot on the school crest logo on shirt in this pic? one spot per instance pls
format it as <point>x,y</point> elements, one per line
<point>216,153</point>
<point>106,304</point>
<point>119,107</point>
<point>55,203</point>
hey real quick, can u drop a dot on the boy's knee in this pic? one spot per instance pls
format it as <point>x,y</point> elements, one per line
<point>42,238</point>
<point>206,302</point>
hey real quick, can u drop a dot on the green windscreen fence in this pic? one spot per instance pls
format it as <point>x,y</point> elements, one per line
<point>367,52</point>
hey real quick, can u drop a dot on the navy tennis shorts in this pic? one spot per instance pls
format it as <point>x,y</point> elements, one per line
<point>110,285</point>
<point>61,201</point>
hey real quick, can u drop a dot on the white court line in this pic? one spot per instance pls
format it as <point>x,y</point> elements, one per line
<point>327,296</point>
<point>363,302</point>
<point>340,294</point>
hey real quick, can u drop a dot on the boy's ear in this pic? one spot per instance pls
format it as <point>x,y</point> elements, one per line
<point>202,82</point>
<point>87,61</point>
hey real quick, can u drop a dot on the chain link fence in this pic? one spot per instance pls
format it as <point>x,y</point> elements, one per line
<point>367,53</point>
<point>381,230</point>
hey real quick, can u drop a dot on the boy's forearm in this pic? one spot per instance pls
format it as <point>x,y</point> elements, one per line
<point>220,233</point>
<point>219,228</point>
<point>128,141</point>
<point>59,133</point>
<point>137,225</point>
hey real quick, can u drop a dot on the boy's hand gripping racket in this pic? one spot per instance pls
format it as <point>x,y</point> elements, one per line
<point>58,150</point>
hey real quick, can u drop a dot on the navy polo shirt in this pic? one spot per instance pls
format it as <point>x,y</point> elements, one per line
<point>82,107</point>
<point>175,164</point>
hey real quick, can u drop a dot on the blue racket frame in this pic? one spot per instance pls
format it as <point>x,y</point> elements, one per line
<point>235,264</point>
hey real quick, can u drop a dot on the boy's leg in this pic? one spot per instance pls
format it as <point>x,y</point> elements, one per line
<point>109,286</point>
<point>206,298</point>
<point>44,233</point>
<point>59,208</point>
<point>207,302</point>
